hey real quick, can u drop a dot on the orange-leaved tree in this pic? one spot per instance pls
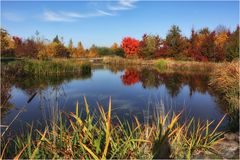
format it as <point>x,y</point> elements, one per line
<point>130,46</point>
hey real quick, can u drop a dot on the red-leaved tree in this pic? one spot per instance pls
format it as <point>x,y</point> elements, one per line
<point>130,46</point>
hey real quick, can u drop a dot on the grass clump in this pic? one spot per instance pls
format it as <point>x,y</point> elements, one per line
<point>161,64</point>
<point>96,137</point>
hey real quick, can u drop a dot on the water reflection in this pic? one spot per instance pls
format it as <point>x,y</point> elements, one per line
<point>137,91</point>
<point>152,78</point>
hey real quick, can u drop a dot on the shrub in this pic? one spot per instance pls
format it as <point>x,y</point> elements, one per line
<point>130,46</point>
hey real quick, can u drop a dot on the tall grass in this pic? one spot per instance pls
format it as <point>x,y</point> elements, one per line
<point>45,67</point>
<point>125,61</point>
<point>174,65</point>
<point>164,64</point>
<point>97,137</point>
<point>225,80</point>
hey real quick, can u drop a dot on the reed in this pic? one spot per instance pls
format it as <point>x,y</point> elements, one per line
<point>45,67</point>
<point>96,137</point>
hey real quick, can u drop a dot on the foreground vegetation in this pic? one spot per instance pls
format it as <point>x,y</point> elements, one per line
<point>84,135</point>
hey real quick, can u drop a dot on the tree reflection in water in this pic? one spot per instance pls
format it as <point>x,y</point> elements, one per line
<point>173,81</point>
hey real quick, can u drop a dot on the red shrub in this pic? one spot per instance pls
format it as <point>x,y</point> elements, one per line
<point>130,46</point>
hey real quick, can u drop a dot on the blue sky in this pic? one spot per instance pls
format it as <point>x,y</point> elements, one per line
<point>105,22</point>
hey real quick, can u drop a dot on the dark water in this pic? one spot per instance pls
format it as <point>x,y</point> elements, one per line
<point>135,92</point>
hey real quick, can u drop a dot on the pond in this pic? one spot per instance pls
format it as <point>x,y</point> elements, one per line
<point>135,91</point>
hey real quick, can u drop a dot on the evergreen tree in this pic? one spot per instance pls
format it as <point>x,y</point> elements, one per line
<point>176,44</point>
<point>232,46</point>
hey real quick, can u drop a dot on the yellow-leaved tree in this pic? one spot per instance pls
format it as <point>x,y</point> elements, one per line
<point>92,52</point>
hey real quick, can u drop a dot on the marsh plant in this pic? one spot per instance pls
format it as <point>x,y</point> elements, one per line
<point>86,135</point>
<point>28,67</point>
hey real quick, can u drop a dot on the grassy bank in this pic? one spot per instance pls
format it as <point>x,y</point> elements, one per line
<point>164,64</point>
<point>97,137</point>
<point>225,81</point>
<point>45,67</point>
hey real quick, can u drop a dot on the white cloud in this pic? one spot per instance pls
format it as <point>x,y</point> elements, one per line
<point>101,12</point>
<point>56,17</point>
<point>72,16</point>
<point>122,5</point>
<point>128,3</point>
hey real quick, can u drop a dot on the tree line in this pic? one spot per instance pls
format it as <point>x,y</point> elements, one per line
<point>38,47</point>
<point>203,45</point>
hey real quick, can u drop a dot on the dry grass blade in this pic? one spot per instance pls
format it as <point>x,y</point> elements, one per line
<point>20,153</point>
<point>89,151</point>
<point>3,151</point>
<point>108,129</point>
<point>77,109</point>
<point>38,145</point>
<point>86,105</point>
<point>218,125</point>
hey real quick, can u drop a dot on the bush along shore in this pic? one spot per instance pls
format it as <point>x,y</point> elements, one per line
<point>94,136</point>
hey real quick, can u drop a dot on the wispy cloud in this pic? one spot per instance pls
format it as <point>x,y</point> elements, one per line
<point>10,16</point>
<point>72,16</point>
<point>122,5</point>
<point>56,17</point>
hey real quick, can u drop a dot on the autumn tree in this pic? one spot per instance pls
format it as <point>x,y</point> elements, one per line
<point>222,35</point>
<point>232,45</point>
<point>163,50</point>
<point>71,47</point>
<point>114,47</point>
<point>61,51</point>
<point>79,51</point>
<point>116,50</point>
<point>195,42</point>
<point>176,44</point>
<point>56,39</point>
<point>4,40</point>
<point>130,46</point>
<point>92,52</point>
<point>207,46</point>
<point>7,44</point>
<point>149,45</point>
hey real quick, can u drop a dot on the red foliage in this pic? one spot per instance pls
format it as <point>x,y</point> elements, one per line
<point>130,77</point>
<point>163,51</point>
<point>130,46</point>
<point>17,40</point>
<point>199,57</point>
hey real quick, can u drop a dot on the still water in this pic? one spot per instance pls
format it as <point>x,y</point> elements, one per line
<point>134,91</point>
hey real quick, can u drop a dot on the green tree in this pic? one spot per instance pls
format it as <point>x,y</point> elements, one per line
<point>176,44</point>
<point>232,46</point>
<point>149,45</point>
